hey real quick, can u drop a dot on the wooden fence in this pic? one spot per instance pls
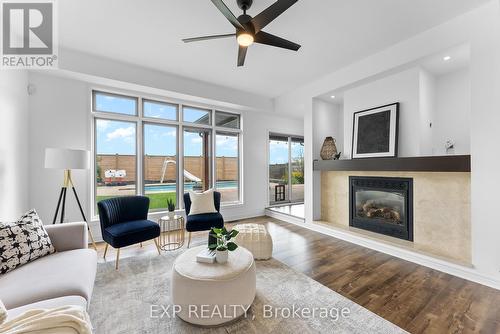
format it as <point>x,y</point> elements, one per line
<point>227,168</point>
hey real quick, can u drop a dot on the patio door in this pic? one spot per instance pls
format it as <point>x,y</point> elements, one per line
<point>286,169</point>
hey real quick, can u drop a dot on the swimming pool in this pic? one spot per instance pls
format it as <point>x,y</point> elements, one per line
<point>188,186</point>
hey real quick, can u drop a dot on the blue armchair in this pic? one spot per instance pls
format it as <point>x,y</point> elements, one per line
<point>204,221</point>
<point>124,222</point>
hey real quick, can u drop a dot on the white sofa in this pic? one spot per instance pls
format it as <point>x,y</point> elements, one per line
<point>63,278</point>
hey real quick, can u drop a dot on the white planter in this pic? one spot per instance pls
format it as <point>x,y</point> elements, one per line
<point>221,256</point>
<point>171,214</point>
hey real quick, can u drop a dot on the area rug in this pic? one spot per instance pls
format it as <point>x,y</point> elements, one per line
<point>122,302</point>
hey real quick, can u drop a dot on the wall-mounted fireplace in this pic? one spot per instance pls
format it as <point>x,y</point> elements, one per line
<point>382,204</point>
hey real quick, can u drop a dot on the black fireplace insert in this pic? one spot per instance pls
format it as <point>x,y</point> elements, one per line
<point>382,205</point>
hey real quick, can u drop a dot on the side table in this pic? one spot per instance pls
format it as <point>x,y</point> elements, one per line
<point>172,232</point>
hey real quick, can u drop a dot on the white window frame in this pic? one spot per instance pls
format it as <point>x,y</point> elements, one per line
<point>140,120</point>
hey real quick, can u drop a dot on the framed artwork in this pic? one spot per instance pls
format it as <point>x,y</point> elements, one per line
<point>375,132</point>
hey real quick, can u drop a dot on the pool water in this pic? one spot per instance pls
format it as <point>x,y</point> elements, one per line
<point>188,186</point>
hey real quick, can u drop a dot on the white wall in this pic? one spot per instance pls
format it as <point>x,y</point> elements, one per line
<point>427,106</point>
<point>327,121</point>
<point>60,117</point>
<point>14,136</point>
<point>452,112</point>
<point>402,87</point>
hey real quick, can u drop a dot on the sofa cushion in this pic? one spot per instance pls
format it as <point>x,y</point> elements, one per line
<point>23,241</point>
<point>204,222</point>
<point>129,233</point>
<point>70,273</point>
<point>47,304</point>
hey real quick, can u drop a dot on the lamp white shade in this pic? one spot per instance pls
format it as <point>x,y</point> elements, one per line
<point>63,158</point>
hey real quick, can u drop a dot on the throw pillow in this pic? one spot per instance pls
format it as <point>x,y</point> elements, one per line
<point>23,241</point>
<point>202,202</point>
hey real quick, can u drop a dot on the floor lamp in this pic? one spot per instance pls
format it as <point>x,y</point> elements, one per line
<point>66,159</point>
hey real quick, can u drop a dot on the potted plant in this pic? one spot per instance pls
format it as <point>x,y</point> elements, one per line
<point>171,208</point>
<point>223,244</point>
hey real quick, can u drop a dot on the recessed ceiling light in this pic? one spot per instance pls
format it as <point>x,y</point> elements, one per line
<point>446,58</point>
<point>333,96</point>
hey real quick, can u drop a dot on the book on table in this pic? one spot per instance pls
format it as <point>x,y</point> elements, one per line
<point>206,256</point>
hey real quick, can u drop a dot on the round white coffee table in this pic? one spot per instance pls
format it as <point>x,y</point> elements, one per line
<point>211,294</point>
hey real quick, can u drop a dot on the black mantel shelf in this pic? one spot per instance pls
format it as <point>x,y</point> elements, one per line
<point>446,163</point>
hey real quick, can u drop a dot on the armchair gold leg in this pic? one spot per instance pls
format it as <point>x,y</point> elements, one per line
<point>105,251</point>
<point>117,258</point>
<point>157,246</point>
<point>189,240</point>
<point>92,238</point>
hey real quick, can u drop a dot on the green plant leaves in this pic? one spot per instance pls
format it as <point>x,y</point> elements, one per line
<point>231,246</point>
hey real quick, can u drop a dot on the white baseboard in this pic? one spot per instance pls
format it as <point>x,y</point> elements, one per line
<point>285,217</point>
<point>454,269</point>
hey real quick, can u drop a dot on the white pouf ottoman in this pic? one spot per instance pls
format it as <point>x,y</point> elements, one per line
<point>256,239</point>
<point>211,294</point>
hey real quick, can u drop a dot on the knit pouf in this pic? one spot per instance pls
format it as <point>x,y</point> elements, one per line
<point>256,239</point>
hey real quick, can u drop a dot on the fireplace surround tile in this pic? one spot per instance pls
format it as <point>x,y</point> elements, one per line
<point>441,209</point>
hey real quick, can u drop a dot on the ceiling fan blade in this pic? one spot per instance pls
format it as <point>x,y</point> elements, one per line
<point>204,38</point>
<point>242,52</point>
<point>221,6</point>
<point>265,38</point>
<point>270,13</point>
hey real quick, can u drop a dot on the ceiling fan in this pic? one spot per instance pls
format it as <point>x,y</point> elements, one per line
<point>249,30</point>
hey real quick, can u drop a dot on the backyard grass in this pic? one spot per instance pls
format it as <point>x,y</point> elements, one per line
<point>157,200</point>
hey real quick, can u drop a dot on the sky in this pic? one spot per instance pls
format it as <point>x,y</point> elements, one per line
<point>278,151</point>
<point>118,137</point>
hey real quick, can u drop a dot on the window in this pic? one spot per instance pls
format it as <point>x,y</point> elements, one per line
<point>113,103</point>
<point>161,110</point>
<point>286,169</point>
<point>160,164</point>
<point>227,166</point>
<point>297,168</point>
<point>196,159</point>
<point>195,115</point>
<point>115,147</point>
<point>227,120</point>
<point>161,150</point>
<point>278,169</point>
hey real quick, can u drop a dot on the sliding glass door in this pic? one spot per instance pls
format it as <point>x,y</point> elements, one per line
<point>297,169</point>
<point>286,169</point>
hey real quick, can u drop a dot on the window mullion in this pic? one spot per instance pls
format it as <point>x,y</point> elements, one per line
<point>140,158</point>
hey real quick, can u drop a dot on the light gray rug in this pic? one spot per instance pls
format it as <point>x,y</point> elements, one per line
<point>122,300</point>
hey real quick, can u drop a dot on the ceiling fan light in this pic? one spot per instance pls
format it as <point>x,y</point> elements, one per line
<point>245,39</point>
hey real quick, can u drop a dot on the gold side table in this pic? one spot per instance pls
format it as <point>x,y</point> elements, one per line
<point>172,232</point>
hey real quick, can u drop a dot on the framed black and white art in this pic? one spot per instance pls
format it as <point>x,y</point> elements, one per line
<point>375,132</point>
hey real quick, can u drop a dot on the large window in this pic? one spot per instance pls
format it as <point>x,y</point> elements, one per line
<point>286,169</point>
<point>227,166</point>
<point>160,164</point>
<point>197,159</point>
<point>115,160</point>
<point>162,149</point>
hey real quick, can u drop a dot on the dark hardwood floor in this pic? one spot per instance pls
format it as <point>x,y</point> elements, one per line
<point>416,298</point>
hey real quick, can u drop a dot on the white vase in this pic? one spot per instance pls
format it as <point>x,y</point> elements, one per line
<point>171,214</point>
<point>221,256</point>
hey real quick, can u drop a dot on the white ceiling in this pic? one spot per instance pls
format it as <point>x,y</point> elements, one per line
<point>333,33</point>
<point>436,65</point>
